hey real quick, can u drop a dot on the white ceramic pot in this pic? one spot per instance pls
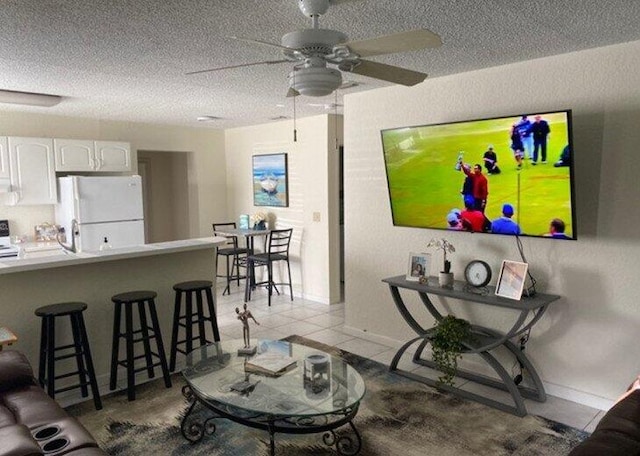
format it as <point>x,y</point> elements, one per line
<point>445,279</point>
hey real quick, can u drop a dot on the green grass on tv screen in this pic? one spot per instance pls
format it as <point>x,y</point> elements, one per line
<point>424,185</point>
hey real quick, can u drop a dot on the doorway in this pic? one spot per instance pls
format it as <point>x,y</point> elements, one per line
<point>165,184</point>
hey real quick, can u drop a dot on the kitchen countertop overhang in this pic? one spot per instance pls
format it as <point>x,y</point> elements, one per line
<point>65,258</point>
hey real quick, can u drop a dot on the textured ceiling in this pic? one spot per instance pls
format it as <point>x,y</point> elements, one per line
<point>127,59</point>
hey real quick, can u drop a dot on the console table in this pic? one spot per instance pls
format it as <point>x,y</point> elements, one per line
<point>527,312</point>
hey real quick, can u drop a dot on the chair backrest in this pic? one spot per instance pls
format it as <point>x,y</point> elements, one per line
<point>220,228</point>
<point>279,241</point>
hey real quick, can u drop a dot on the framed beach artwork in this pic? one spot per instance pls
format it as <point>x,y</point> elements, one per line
<point>270,184</point>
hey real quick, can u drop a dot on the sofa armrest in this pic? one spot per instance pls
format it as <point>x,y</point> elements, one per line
<point>617,433</point>
<point>15,370</point>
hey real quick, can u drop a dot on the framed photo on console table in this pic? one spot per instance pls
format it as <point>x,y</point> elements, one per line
<point>419,265</point>
<point>511,279</point>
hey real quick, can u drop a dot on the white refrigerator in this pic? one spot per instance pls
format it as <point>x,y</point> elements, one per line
<point>104,207</point>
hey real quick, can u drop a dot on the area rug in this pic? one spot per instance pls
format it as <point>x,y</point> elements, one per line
<point>397,417</point>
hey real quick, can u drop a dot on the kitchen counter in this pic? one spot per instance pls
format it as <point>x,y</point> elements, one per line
<point>59,258</point>
<point>50,276</point>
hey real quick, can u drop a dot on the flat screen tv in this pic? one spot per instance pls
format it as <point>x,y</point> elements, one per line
<point>503,175</point>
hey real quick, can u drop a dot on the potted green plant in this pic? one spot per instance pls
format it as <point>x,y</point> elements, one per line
<point>445,278</point>
<point>446,345</point>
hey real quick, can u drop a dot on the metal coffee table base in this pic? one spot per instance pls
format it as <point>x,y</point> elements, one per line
<point>194,429</point>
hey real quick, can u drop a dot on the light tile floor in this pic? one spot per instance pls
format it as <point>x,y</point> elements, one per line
<point>323,323</point>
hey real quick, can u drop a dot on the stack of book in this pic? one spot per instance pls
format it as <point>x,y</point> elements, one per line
<point>270,363</point>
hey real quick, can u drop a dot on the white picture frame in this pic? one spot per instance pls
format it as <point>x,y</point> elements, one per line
<point>511,280</point>
<point>419,266</point>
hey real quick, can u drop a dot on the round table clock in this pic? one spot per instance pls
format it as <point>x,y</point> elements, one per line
<point>477,273</point>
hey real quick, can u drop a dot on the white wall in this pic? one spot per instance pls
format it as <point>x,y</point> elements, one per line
<point>313,178</point>
<point>207,182</point>
<point>585,347</point>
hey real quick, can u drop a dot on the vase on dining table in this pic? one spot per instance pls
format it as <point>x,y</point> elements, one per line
<point>260,226</point>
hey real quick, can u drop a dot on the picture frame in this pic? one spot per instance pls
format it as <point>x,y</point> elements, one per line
<point>511,280</point>
<point>270,180</point>
<point>419,266</point>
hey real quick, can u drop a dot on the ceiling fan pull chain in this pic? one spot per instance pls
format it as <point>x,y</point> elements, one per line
<point>295,132</point>
<point>335,115</point>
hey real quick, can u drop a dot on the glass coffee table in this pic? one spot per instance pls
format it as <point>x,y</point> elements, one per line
<point>318,394</point>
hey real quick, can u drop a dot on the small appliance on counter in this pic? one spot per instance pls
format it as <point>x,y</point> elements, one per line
<point>6,248</point>
<point>92,209</point>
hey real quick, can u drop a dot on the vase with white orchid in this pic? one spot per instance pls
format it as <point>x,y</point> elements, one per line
<point>446,247</point>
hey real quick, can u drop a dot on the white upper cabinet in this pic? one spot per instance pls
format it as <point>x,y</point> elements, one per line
<point>92,156</point>
<point>4,158</point>
<point>113,156</point>
<point>74,155</point>
<point>32,171</point>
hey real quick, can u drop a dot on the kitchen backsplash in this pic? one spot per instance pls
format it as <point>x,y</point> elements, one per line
<point>23,219</point>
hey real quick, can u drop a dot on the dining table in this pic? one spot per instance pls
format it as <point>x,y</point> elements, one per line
<point>249,234</point>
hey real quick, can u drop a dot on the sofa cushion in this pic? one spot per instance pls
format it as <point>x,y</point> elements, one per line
<point>16,440</point>
<point>15,370</point>
<point>32,407</point>
<point>6,417</point>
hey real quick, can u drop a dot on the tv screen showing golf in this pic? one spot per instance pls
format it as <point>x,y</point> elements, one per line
<point>506,175</point>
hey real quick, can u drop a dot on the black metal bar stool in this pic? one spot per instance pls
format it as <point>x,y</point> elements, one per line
<point>79,350</point>
<point>147,330</point>
<point>189,318</point>
<point>234,254</point>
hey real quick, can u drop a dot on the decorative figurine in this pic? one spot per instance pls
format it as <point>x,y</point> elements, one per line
<point>244,318</point>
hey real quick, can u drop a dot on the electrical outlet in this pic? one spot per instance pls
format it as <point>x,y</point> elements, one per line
<point>316,216</point>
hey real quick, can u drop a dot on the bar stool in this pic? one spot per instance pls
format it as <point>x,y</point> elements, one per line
<point>147,331</point>
<point>79,350</point>
<point>234,254</point>
<point>189,318</point>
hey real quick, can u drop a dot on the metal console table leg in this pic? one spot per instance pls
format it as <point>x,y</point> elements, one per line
<point>530,311</point>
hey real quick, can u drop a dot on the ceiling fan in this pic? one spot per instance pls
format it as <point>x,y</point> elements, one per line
<point>313,49</point>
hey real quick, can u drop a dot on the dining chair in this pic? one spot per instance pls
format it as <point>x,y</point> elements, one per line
<point>277,249</point>
<point>235,255</point>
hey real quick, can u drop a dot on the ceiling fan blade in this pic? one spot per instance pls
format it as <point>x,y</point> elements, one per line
<point>412,40</point>
<point>266,62</point>
<point>264,43</point>
<point>292,92</point>
<point>389,73</point>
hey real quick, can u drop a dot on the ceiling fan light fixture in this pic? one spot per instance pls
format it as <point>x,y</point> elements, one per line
<point>315,82</point>
<point>29,98</point>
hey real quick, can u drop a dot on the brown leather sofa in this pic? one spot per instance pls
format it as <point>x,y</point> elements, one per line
<point>31,423</point>
<point>617,433</point>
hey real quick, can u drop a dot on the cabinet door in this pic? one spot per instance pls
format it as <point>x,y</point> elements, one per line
<point>113,156</point>
<point>4,158</point>
<point>74,155</point>
<point>32,170</point>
